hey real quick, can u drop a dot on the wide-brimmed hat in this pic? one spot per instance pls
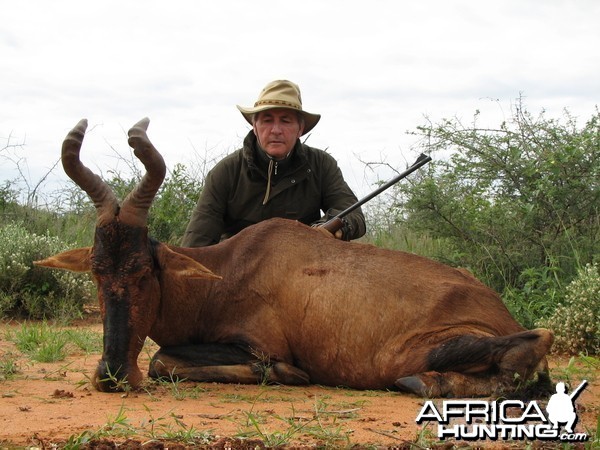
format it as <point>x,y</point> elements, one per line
<point>281,94</point>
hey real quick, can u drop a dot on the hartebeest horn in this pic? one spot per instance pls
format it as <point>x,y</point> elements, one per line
<point>99,192</point>
<point>135,207</point>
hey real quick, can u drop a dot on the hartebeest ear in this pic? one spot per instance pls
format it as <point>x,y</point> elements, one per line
<point>77,260</point>
<point>182,265</point>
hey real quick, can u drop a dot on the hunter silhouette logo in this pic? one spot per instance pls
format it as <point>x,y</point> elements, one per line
<point>506,420</point>
<point>561,406</point>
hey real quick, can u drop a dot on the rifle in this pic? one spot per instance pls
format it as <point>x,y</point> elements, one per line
<point>336,223</point>
<point>578,390</point>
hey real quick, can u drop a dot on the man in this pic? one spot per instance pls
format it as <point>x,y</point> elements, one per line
<point>273,175</point>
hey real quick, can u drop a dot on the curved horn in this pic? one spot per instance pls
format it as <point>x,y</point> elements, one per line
<point>99,192</point>
<point>135,206</point>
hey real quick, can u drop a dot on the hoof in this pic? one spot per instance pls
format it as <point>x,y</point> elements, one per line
<point>288,374</point>
<point>412,385</point>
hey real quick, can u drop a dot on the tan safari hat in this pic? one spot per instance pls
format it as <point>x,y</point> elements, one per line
<point>281,94</point>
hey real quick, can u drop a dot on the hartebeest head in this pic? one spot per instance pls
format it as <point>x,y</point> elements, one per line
<point>124,262</point>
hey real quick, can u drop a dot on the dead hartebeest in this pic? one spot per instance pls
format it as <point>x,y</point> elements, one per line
<point>289,305</point>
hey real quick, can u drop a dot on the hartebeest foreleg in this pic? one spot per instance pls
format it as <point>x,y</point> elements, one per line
<point>222,363</point>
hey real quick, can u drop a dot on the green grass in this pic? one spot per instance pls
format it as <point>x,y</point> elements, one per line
<point>167,427</point>
<point>40,342</point>
<point>179,389</point>
<point>398,238</point>
<point>325,425</point>
<point>579,368</point>
<point>329,434</point>
<point>118,426</point>
<point>45,343</point>
<point>172,428</point>
<point>85,340</point>
<point>9,366</point>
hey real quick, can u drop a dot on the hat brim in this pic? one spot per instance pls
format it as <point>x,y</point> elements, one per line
<point>310,120</point>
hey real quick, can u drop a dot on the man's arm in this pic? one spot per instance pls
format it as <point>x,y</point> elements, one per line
<point>207,222</point>
<point>337,196</point>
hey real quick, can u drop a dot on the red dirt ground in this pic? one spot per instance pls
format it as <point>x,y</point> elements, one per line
<point>46,404</point>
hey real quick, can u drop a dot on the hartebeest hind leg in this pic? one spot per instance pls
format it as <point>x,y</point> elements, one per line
<point>222,363</point>
<point>469,366</point>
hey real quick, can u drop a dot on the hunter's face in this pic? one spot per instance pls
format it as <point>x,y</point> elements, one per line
<point>277,131</point>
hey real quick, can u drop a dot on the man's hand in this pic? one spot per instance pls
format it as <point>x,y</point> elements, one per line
<point>338,234</point>
<point>342,225</point>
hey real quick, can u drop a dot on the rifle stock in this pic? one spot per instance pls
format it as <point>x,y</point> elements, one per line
<point>332,225</point>
<point>336,223</point>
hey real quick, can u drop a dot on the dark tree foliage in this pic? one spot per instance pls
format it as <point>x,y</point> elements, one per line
<point>172,207</point>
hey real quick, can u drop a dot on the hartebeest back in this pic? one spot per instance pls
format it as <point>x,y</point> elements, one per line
<point>288,305</point>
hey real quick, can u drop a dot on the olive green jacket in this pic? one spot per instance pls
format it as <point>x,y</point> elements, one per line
<point>303,185</point>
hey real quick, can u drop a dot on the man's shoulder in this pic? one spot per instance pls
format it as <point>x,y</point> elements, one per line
<point>316,153</point>
<point>227,167</point>
<point>231,159</point>
<point>236,155</point>
<point>320,160</point>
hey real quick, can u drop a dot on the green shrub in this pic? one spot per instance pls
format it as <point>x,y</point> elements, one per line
<point>37,292</point>
<point>576,324</point>
<point>8,195</point>
<point>541,291</point>
<point>521,195</point>
<point>173,205</point>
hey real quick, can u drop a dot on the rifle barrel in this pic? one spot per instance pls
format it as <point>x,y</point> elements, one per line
<point>578,390</point>
<point>421,161</point>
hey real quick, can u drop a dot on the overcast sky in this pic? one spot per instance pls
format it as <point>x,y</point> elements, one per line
<point>373,70</point>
